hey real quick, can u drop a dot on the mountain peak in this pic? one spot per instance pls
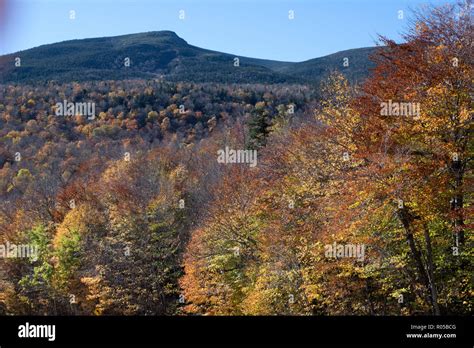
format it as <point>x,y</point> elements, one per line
<point>162,53</point>
<point>150,37</point>
<point>158,33</point>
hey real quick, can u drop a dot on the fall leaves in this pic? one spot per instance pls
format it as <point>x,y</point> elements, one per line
<point>173,229</point>
<point>394,183</point>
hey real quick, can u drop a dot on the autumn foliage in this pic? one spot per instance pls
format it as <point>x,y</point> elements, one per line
<point>133,214</point>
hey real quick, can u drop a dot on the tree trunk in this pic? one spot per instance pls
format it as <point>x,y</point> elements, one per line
<point>457,202</point>
<point>406,218</point>
<point>430,266</point>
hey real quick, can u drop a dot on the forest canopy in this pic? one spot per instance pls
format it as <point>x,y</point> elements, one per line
<point>360,202</point>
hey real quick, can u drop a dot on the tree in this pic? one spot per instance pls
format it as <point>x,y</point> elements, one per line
<point>258,124</point>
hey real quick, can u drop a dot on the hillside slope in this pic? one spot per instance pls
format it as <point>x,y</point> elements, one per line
<point>163,54</point>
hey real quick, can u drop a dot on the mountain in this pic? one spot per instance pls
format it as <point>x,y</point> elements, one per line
<point>163,54</point>
<point>358,65</point>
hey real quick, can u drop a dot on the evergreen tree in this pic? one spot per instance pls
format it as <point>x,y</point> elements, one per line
<point>259,127</point>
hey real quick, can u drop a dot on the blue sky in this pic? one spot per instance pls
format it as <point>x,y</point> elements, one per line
<point>254,28</point>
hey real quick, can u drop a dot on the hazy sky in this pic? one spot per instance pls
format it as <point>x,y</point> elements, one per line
<point>254,28</point>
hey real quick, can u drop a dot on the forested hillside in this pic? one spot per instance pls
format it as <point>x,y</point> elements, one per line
<point>165,55</point>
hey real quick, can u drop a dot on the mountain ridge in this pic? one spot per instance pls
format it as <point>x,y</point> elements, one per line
<point>163,54</point>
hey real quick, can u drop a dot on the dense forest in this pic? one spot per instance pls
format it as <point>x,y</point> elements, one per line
<point>132,213</point>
